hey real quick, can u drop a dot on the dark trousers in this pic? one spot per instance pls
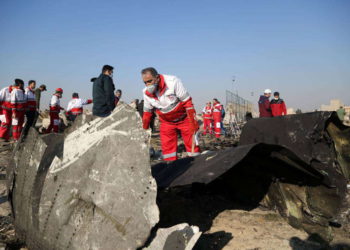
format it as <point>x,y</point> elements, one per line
<point>31,120</point>
<point>72,117</point>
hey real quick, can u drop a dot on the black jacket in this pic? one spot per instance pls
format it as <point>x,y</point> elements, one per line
<point>103,95</point>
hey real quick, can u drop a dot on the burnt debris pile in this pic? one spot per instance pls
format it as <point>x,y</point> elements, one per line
<point>298,165</point>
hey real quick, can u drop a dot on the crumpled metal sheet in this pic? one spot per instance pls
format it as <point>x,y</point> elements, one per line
<point>296,164</point>
<point>207,168</point>
<point>311,136</point>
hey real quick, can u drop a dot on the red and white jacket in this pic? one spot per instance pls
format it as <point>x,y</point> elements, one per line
<point>207,112</point>
<point>217,109</point>
<point>30,96</point>
<point>18,100</point>
<point>75,106</point>
<point>170,101</point>
<point>55,106</point>
<point>5,98</point>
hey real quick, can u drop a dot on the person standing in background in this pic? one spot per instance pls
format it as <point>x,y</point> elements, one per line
<point>75,106</point>
<point>18,106</point>
<point>11,107</point>
<point>217,117</point>
<point>118,96</point>
<point>264,104</point>
<point>31,109</point>
<point>103,93</point>
<point>55,108</point>
<point>207,118</point>
<point>278,106</point>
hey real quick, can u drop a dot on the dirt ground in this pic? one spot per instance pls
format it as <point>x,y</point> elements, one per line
<point>228,229</point>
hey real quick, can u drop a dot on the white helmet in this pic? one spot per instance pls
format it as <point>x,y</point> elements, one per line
<point>267,91</point>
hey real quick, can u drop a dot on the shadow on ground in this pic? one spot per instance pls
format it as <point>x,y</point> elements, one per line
<point>315,242</point>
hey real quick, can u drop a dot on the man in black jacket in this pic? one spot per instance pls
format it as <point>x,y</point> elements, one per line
<point>103,93</point>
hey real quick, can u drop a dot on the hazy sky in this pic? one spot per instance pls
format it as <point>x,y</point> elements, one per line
<point>300,48</point>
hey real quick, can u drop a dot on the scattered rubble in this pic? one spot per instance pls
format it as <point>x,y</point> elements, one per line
<point>181,237</point>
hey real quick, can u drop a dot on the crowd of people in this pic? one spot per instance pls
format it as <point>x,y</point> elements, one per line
<point>20,107</point>
<point>16,104</point>
<point>164,96</point>
<point>213,114</point>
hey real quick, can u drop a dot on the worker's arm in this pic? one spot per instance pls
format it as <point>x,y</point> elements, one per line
<point>1,100</point>
<point>186,99</point>
<point>147,113</point>
<point>86,102</point>
<point>109,91</point>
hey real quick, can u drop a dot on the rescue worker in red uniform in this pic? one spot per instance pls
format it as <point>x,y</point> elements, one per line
<point>207,119</point>
<point>18,104</point>
<point>13,104</point>
<point>278,106</point>
<point>8,105</point>
<point>217,115</point>
<point>75,106</point>
<point>6,113</point>
<point>55,109</point>
<point>167,96</point>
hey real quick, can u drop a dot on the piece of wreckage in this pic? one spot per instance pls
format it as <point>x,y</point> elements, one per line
<point>91,188</point>
<point>298,165</point>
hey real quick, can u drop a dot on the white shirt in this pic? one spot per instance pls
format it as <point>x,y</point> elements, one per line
<point>168,101</point>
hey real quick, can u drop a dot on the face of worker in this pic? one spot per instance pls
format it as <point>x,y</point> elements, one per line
<point>109,73</point>
<point>59,94</point>
<point>21,85</point>
<point>148,79</point>
<point>208,104</point>
<point>118,94</point>
<point>276,97</point>
<point>268,94</point>
<point>151,82</point>
<point>32,85</point>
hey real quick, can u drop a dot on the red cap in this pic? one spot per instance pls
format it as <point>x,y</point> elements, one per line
<point>59,90</point>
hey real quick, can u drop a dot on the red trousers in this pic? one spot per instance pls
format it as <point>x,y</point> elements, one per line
<point>6,124</point>
<point>207,126</point>
<point>54,122</point>
<point>168,138</point>
<point>17,125</point>
<point>217,124</point>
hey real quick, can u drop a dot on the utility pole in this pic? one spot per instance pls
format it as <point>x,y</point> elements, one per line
<point>233,82</point>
